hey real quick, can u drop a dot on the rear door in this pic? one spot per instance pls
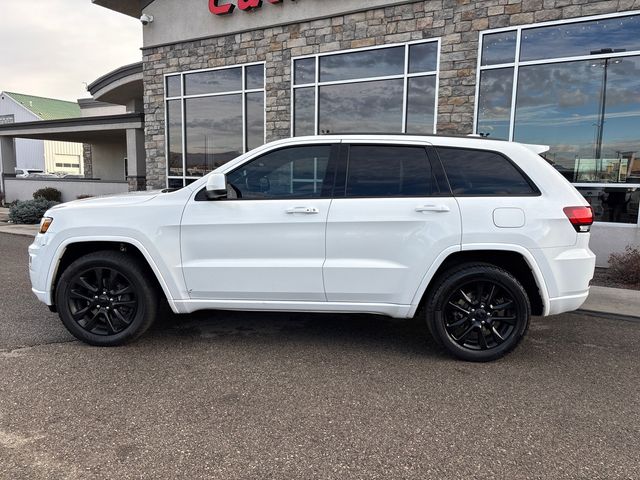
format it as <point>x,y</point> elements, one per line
<point>390,219</point>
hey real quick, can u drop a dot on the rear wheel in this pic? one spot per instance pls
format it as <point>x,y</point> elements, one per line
<point>478,312</point>
<point>106,299</point>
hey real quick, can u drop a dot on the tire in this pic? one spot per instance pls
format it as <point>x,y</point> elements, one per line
<point>118,312</point>
<point>462,314</point>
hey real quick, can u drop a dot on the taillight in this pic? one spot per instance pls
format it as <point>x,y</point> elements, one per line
<point>580,217</point>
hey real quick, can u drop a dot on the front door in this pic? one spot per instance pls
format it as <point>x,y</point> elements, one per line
<point>390,225</point>
<point>266,241</point>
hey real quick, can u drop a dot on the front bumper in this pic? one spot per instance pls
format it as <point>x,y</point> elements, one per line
<point>40,257</point>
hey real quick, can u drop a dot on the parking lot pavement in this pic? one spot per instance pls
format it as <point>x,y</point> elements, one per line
<point>274,396</point>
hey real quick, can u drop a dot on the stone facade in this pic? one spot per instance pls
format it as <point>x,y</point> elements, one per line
<point>87,160</point>
<point>456,22</point>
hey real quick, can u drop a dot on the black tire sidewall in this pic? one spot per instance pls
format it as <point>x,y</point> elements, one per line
<point>452,281</point>
<point>132,270</point>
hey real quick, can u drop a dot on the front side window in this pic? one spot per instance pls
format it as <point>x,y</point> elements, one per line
<point>212,116</point>
<point>388,171</point>
<point>383,89</point>
<point>294,172</point>
<point>482,173</point>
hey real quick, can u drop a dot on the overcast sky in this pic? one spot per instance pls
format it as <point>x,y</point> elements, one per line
<point>50,47</point>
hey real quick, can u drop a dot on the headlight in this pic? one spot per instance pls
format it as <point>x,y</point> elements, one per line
<point>45,223</point>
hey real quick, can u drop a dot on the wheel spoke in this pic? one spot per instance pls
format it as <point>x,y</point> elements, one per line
<point>464,335</point>
<point>124,303</point>
<point>100,278</point>
<point>466,297</point>
<point>482,340</point>
<point>458,323</point>
<point>504,305</point>
<point>77,294</point>
<point>491,294</point>
<point>511,320</point>
<point>85,284</point>
<point>111,282</point>
<point>123,291</point>
<point>499,338</point>
<point>120,317</point>
<point>455,305</point>
<point>479,291</point>
<point>110,326</point>
<point>91,323</point>
<point>81,313</point>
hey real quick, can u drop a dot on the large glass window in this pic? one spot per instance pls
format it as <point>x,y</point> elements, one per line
<point>575,86</point>
<point>382,89</point>
<point>213,116</point>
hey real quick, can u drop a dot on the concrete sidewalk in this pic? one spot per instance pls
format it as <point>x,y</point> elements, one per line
<point>613,301</point>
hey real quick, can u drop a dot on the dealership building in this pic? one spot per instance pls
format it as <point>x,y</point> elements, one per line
<point>221,77</point>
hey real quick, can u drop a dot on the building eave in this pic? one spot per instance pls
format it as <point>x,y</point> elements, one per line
<point>133,8</point>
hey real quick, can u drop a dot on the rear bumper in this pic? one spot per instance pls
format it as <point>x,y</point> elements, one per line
<point>567,303</point>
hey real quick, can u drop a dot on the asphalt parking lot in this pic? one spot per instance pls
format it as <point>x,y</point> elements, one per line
<point>291,396</point>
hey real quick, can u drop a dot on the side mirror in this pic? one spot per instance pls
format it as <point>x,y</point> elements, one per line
<point>217,186</point>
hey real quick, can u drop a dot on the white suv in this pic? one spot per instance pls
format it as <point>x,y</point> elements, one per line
<point>473,234</point>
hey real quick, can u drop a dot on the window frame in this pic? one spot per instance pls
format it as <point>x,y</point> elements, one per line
<point>405,76</point>
<point>535,190</point>
<point>182,98</point>
<point>332,167</point>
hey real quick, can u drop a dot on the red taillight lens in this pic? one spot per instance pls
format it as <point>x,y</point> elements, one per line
<point>580,217</point>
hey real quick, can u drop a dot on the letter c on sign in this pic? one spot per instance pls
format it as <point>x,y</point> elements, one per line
<point>249,4</point>
<point>217,9</point>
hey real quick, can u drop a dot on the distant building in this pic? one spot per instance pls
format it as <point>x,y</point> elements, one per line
<point>47,155</point>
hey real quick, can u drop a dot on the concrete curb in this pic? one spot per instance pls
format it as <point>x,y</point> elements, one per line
<point>614,301</point>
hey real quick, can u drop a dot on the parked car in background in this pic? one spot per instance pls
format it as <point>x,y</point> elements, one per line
<point>473,235</point>
<point>27,172</point>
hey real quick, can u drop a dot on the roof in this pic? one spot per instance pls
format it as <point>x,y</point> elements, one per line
<point>46,108</point>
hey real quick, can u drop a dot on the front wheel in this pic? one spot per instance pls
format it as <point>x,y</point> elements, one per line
<point>478,312</point>
<point>106,298</point>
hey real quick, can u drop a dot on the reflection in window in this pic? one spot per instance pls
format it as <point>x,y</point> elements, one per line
<point>304,105</point>
<point>361,107</point>
<point>174,137</point>
<point>499,48</point>
<point>295,172</point>
<point>214,132</point>
<point>366,91</point>
<point>222,119</point>
<point>613,204</point>
<point>421,99</point>
<point>580,38</point>
<point>382,62</point>
<point>494,103</point>
<point>214,81</point>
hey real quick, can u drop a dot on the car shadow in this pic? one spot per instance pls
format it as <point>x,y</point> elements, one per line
<point>365,331</point>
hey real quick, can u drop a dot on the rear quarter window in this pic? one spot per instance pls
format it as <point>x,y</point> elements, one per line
<point>483,173</point>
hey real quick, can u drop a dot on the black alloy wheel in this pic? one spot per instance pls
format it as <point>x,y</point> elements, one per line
<point>102,301</point>
<point>480,315</point>
<point>478,312</point>
<point>107,298</point>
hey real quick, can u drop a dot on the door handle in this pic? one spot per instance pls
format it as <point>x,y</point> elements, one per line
<point>433,208</point>
<point>305,210</point>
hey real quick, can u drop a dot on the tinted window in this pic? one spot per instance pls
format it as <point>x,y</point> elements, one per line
<point>287,173</point>
<point>478,172</point>
<point>381,171</point>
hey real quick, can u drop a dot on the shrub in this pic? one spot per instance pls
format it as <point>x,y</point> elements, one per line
<point>48,193</point>
<point>30,211</point>
<point>626,266</point>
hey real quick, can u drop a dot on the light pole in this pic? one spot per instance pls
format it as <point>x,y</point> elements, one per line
<point>603,94</point>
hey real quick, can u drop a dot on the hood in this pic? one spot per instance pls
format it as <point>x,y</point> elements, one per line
<point>124,199</point>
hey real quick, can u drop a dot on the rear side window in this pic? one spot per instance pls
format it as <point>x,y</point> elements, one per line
<point>479,172</point>
<point>388,171</point>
